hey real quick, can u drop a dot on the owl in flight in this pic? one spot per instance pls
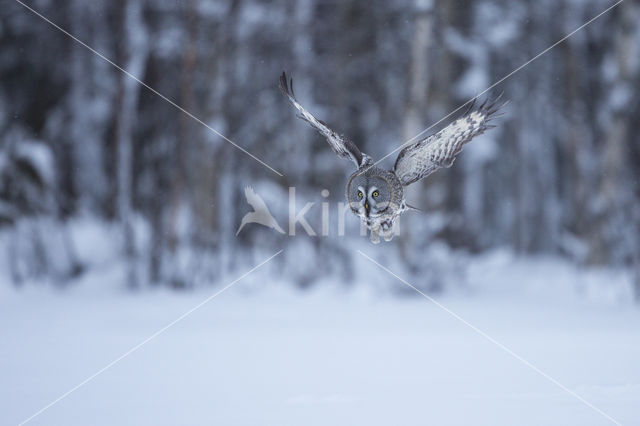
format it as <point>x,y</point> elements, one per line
<point>376,195</point>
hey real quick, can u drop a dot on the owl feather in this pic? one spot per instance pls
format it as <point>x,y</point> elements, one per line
<point>341,145</point>
<point>427,155</point>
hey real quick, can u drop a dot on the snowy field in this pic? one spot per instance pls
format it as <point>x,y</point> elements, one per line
<point>275,356</point>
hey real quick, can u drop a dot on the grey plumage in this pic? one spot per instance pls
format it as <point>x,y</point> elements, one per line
<point>427,155</point>
<point>341,145</point>
<point>377,195</point>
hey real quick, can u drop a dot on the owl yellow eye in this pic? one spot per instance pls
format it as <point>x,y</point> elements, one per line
<point>360,194</point>
<point>375,194</point>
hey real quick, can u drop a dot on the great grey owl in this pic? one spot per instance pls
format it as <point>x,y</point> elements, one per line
<point>376,195</point>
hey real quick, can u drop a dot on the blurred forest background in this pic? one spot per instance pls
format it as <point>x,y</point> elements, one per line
<point>96,170</point>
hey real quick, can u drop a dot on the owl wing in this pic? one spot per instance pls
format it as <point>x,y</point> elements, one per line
<point>339,144</point>
<point>425,156</point>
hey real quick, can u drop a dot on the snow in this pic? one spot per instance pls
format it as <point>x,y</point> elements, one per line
<point>273,355</point>
<point>39,156</point>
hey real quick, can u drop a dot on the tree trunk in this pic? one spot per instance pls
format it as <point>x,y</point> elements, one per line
<point>135,52</point>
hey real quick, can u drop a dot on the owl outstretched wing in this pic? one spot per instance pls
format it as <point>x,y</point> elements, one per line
<point>425,156</point>
<point>339,144</point>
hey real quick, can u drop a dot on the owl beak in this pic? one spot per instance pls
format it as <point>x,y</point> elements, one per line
<point>366,205</point>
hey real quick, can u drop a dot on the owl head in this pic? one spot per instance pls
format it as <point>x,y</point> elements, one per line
<point>372,194</point>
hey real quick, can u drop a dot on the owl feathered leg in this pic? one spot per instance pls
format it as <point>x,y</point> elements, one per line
<point>375,235</point>
<point>387,231</point>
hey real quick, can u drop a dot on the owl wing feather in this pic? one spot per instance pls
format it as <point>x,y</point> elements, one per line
<point>425,156</point>
<point>342,146</point>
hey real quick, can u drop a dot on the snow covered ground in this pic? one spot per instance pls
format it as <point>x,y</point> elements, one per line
<point>275,356</point>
